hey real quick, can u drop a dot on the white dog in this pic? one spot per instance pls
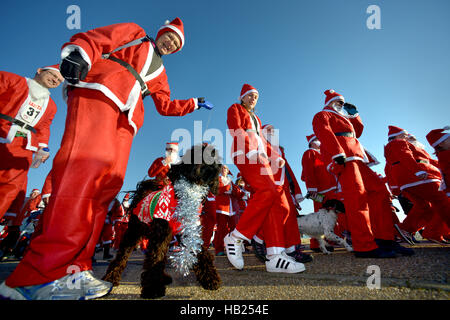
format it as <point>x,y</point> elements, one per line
<point>321,223</point>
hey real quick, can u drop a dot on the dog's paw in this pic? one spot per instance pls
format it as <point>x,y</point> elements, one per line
<point>111,278</point>
<point>153,292</point>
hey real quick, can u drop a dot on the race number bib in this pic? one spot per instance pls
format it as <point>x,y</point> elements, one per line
<point>31,112</point>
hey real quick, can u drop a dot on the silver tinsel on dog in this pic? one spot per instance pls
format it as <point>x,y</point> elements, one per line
<point>189,197</point>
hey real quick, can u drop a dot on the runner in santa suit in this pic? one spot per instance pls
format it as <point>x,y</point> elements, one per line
<point>291,189</point>
<point>320,184</point>
<point>161,165</point>
<point>26,113</point>
<point>418,179</point>
<point>268,205</point>
<point>224,210</point>
<point>338,129</point>
<point>109,71</point>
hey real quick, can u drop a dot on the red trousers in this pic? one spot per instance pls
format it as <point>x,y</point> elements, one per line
<point>119,230</point>
<point>225,224</point>
<point>208,222</point>
<point>425,197</point>
<point>87,174</point>
<point>436,228</point>
<point>107,235</point>
<point>15,162</point>
<point>266,209</point>
<point>356,180</point>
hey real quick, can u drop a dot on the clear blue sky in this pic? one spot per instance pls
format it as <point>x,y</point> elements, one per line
<point>291,50</point>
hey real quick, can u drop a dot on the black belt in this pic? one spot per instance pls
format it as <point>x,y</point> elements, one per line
<point>18,122</point>
<point>345,134</point>
<point>144,89</point>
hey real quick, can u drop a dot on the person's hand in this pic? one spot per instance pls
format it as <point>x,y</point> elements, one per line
<point>73,68</point>
<point>340,160</point>
<point>350,108</point>
<point>44,158</point>
<point>312,194</point>
<point>281,162</point>
<point>202,103</point>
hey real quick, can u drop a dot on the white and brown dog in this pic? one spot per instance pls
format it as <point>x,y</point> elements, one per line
<point>321,224</point>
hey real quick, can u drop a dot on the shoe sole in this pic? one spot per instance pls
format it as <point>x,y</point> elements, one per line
<point>285,271</point>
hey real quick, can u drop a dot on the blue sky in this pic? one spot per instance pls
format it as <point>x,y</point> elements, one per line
<point>290,50</point>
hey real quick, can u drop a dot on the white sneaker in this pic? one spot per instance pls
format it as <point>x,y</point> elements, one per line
<point>234,248</point>
<point>284,264</point>
<point>79,286</point>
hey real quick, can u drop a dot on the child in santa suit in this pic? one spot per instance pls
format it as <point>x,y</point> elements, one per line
<point>338,128</point>
<point>320,184</point>
<point>161,165</point>
<point>418,179</point>
<point>120,220</point>
<point>26,113</point>
<point>225,211</point>
<point>109,71</point>
<point>268,205</point>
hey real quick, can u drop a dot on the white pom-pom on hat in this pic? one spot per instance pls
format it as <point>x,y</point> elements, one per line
<point>331,91</point>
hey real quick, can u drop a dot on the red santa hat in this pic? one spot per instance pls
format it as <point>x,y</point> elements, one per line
<point>436,136</point>
<point>173,145</point>
<point>395,131</point>
<point>332,95</point>
<point>175,26</point>
<point>54,67</point>
<point>246,89</point>
<point>127,197</point>
<point>311,138</point>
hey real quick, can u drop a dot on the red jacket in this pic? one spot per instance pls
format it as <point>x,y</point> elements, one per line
<point>247,137</point>
<point>30,205</point>
<point>315,174</point>
<point>224,197</point>
<point>47,188</point>
<point>407,162</point>
<point>115,81</point>
<point>15,99</point>
<point>326,124</point>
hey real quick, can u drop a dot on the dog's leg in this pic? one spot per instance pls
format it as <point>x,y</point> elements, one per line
<point>330,235</point>
<point>153,277</point>
<point>206,271</point>
<point>323,245</point>
<point>131,238</point>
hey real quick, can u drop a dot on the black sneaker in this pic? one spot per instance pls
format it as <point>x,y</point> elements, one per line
<point>259,251</point>
<point>390,245</point>
<point>375,253</point>
<point>300,256</point>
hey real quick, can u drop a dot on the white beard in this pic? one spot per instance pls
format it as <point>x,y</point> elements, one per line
<point>174,158</point>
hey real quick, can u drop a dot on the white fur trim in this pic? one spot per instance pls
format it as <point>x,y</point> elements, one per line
<point>250,153</point>
<point>326,190</point>
<point>312,138</point>
<point>445,136</point>
<point>396,134</point>
<point>418,173</point>
<point>413,184</point>
<point>334,99</point>
<point>338,155</point>
<point>248,92</point>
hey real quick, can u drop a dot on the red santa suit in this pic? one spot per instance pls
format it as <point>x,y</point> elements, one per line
<point>27,103</point>
<point>338,134</point>
<point>224,212</point>
<point>266,208</point>
<point>120,223</point>
<point>158,170</point>
<point>104,113</point>
<point>435,138</point>
<point>408,162</point>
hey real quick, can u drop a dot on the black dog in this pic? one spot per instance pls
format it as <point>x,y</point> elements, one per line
<point>199,167</point>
